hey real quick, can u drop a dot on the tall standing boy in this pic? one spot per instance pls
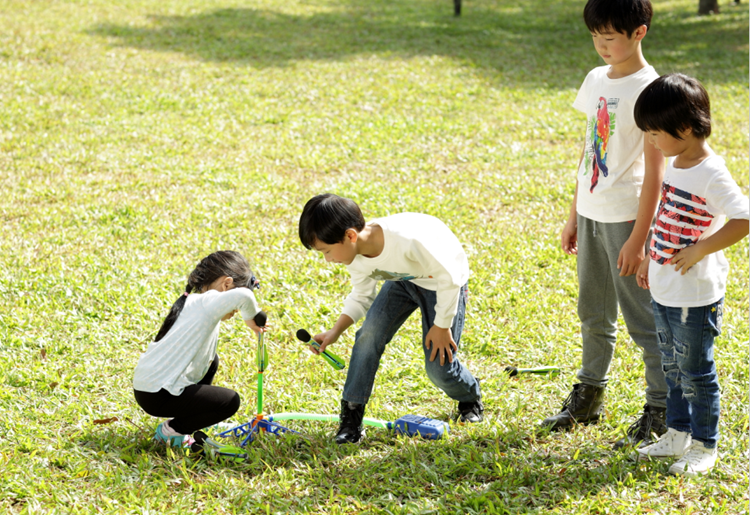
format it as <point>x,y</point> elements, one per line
<point>424,266</point>
<point>617,190</point>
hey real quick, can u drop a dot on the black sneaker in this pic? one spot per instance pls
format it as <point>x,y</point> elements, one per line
<point>471,412</point>
<point>350,423</point>
<point>653,422</point>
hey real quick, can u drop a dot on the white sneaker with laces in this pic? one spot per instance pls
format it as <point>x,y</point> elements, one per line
<point>672,444</point>
<point>697,460</point>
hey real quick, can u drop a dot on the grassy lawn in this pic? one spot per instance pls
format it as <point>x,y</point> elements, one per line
<point>137,136</point>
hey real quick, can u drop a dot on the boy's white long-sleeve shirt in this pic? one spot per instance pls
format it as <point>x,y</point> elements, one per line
<point>183,356</point>
<point>417,248</point>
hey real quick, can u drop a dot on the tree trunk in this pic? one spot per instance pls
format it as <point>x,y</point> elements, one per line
<point>708,6</point>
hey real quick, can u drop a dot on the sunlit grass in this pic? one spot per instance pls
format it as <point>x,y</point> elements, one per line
<point>138,136</point>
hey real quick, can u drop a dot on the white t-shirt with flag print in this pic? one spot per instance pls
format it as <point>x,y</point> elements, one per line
<point>695,202</point>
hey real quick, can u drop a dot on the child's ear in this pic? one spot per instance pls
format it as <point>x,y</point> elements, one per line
<point>640,32</point>
<point>351,234</point>
<point>228,283</point>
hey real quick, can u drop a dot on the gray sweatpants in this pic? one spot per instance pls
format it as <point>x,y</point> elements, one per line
<point>600,290</point>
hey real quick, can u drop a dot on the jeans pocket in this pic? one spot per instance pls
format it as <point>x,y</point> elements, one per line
<point>719,317</point>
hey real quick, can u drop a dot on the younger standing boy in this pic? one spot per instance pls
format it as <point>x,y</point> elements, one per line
<point>697,194</point>
<point>424,266</point>
<point>616,195</point>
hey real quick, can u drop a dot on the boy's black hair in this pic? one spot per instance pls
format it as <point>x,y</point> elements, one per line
<point>220,263</point>
<point>674,103</point>
<point>623,16</point>
<point>326,218</point>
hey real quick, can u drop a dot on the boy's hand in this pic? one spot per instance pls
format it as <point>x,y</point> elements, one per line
<point>687,257</point>
<point>441,342</point>
<point>569,237</point>
<point>631,256</point>
<point>324,339</point>
<point>641,276</point>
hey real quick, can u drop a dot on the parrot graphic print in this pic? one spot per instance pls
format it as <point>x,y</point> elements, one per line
<point>680,221</point>
<point>600,139</point>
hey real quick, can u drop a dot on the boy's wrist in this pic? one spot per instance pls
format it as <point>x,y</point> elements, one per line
<point>441,321</point>
<point>637,239</point>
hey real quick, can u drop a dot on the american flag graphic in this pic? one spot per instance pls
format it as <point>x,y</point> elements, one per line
<point>680,221</point>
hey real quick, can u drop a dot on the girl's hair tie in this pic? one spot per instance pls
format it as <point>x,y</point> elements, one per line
<point>185,294</point>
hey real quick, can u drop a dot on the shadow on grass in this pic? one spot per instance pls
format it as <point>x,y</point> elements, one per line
<point>509,471</point>
<point>543,43</point>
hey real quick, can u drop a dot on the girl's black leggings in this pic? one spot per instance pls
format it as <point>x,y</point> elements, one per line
<point>198,406</point>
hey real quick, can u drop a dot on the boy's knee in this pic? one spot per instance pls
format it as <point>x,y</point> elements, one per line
<point>368,338</point>
<point>440,375</point>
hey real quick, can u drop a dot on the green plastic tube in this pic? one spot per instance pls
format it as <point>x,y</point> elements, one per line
<point>327,418</point>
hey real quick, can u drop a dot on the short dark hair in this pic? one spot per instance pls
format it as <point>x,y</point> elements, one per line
<point>674,103</point>
<point>623,16</point>
<point>327,217</point>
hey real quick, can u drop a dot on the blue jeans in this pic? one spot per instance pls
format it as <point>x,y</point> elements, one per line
<point>395,302</point>
<point>686,341</point>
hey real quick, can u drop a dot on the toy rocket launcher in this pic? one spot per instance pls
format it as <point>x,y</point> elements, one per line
<point>408,425</point>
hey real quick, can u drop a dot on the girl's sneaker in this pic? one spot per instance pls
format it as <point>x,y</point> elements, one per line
<point>170,437</point>
<point>698,460</point>
<point>672,444</point>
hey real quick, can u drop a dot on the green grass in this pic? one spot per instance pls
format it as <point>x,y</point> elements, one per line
<point>138,136</point>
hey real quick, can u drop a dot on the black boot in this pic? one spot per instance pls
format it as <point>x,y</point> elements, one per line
<point>583,406</point>
<point>471,412</point>
<point>653,422</point>
<point>350,422</point>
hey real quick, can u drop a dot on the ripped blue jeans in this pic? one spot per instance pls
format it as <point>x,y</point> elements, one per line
<point>686,342</point>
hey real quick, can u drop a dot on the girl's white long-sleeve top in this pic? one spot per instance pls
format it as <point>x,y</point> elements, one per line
<point>418,248</point>
<point>183,356</point>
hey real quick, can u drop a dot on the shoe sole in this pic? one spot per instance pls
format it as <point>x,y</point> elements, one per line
<point>470,421</point>
<point>560,427</point>
<point>345,442</point>
<point>688,473</point>
<point>647,457</point>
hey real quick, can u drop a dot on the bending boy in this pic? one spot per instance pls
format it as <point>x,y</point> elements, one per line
<point>424,266</point>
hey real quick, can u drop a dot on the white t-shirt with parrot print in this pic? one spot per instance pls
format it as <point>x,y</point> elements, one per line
<point>611,172</point>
